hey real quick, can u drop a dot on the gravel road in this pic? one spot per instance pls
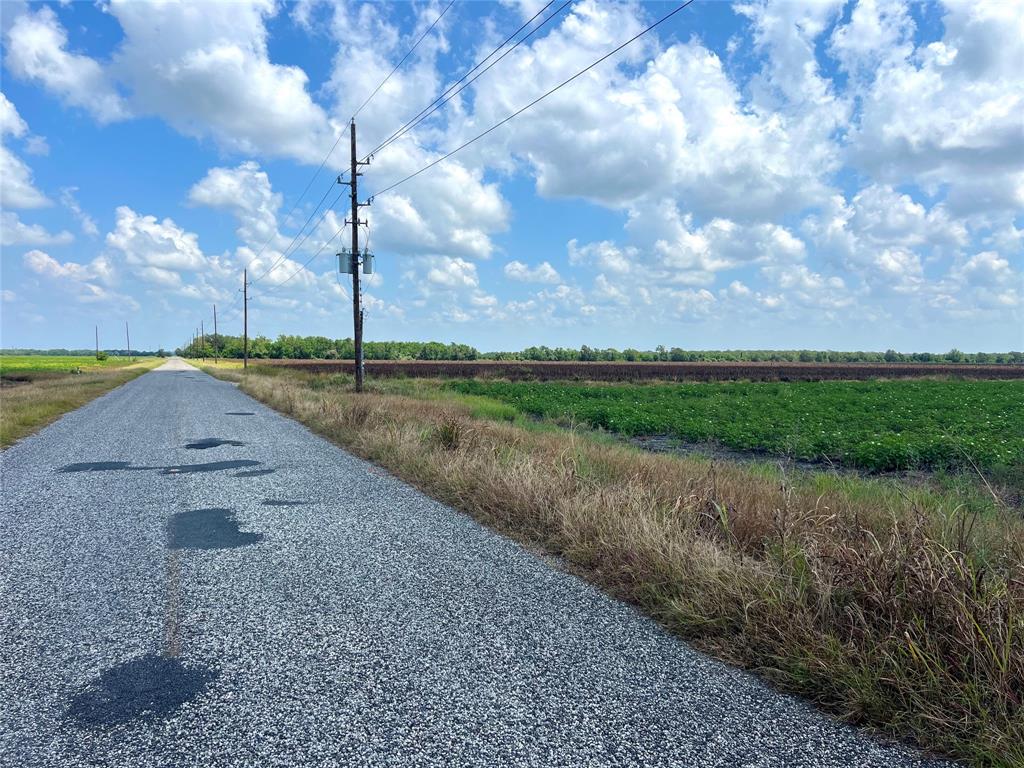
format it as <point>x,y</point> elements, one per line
<point>190,579</point>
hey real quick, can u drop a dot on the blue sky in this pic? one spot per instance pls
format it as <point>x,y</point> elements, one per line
<point>825,174</point>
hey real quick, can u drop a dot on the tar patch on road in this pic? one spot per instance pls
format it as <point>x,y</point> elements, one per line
<point>208,529</point>
<point>210,466</point>
<point>255,473</point>
<point>98,466</point>
<point>240,413</point>
<point>145,688</point>
<point>212,442</point>
<point>177,469</point>
<point>282,503</point>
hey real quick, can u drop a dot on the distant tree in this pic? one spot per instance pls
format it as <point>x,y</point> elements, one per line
<point>346,349</point>
<point>259,347</point>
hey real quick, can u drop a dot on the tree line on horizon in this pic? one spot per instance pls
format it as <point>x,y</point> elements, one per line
<point>289,347</point>
<point>322,348</point>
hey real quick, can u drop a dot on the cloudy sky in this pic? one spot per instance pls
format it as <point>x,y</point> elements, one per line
<point>825,174</point>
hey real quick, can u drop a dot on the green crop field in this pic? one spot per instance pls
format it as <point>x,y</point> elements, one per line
<point>875,425</point>
<point>10,364</point>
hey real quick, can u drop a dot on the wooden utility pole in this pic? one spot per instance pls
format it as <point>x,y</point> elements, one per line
<point>202,339</point>
<point>215,334</point>
<point>97,342</point>
<point>127,338</point>
<point>245,318</point>
<point>357,314</point>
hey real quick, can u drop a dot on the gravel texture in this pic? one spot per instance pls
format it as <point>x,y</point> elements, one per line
<point>273,601</point>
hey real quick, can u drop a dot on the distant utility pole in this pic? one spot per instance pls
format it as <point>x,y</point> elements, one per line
<point>97,342</point>
<point>245,318</point>
<point>127,338</point>
<point>215,334</point>
<point>202,336</point>
<point>357,314</point>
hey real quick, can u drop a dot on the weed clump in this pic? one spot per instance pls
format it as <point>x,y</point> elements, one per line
<point>448,432</point>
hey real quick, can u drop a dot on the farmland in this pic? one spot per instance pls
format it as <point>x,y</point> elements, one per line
<point>893,604</point>
<point>530,370</point>
<point>31,366</point>
<point>873,425</point>
<point>36,389</point>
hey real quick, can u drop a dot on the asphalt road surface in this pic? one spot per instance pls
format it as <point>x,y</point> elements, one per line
<point>190,579</point>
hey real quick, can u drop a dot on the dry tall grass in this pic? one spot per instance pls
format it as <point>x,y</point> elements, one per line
<point>894,608</point>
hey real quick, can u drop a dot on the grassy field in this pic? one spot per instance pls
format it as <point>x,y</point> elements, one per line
<point>37,389</point>
<point>875,425</point>
<point>12,365</point>
<point>899,606</point>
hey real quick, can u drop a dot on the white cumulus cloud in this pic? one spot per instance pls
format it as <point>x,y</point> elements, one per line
<point>14,232</point>
<point>542,273</point>
<point>37,51</point>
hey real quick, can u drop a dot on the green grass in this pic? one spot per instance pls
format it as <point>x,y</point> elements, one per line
<point>875,425</point>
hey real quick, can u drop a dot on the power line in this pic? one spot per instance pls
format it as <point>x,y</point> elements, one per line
<point>301,196</point>
<point>433,106</point>
<point>306,263</point>
<point>399,64</point>
<point>284,253</point>
<point>532,103</point>
<point>464,76</point>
